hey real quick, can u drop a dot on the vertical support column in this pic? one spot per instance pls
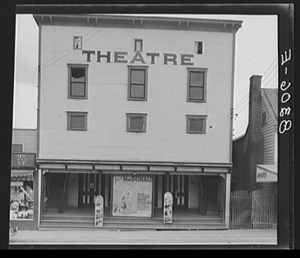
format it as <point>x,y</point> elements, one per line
<point>168,178</point>
<point>155,191</point>
<point>163,189</point>
<point>100,190</point>
<point>37,193</point>
<point>153,195</point>
<point>227,199</point>
<point>99,186</point>
<point>103,183</point>
<point>110,193</point>
<point>42,191</point>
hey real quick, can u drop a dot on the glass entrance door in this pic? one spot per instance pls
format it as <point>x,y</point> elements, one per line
<point>88,189</point>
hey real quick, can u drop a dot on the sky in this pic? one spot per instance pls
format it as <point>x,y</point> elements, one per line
<point>256,54</point>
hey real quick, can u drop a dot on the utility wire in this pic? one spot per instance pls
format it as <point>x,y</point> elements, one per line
<point>241,103</point>
<point>64,52</point>
<point>274,69</point>
<point>274,62</point>
<point>246,97</point>
<point>242,100</point>
<point>244,108</point>
<point>70,50</point>
<point>62,73</point>
<point>265,85</point>
<point>240,67</point>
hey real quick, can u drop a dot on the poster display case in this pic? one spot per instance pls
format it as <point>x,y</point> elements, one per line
<point>99,211</point>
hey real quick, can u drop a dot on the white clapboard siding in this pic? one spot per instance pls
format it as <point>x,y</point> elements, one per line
<point>106,137</point>
<point>26,137</point>
<point>268,132</point>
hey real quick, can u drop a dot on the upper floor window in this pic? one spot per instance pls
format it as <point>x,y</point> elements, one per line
<point>263,118</point>
<point>17,147</point>
<point>196,84</point>
<point>77,121</point>
<point>196,124</point>
<point>137,85</point>
<point>198,47</point>
<point>77,81</point>
<point>136,122</point>
<point>138,45</point>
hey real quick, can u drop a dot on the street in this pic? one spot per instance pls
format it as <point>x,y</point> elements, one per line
<point>110,237</point>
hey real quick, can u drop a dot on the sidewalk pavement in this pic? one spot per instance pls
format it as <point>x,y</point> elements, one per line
<point>144,237</point>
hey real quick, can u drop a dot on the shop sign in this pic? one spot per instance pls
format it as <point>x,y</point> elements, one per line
<point>263,176</point>
<point>264,173</point>
<point>22,161</point>
<point>132,196</point>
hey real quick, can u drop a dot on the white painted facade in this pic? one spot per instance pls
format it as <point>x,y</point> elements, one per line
<point>165,139</point>
<point>194,167</point>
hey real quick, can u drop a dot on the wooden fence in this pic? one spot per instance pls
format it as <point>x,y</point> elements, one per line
<point>252,210</point>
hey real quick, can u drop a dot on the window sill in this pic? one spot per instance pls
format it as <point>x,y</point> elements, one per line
<point>137,99</point>
<point>77,97</point>
<point>81,130</point>
<point>132,131</point>
<point>196,101</point>
<point>196,132</point>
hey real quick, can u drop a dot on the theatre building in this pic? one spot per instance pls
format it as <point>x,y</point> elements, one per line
<point>129,108</point>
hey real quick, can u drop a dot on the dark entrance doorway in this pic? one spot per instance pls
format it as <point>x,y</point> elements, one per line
<point>88,189</point>
<point>178,185</point>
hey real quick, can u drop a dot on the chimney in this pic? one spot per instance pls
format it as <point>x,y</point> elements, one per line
<point>254,129</point>
<point>255,109</point>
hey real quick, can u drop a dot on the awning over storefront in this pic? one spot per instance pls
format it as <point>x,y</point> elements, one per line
<point>21,175</point>
<point>266,173</point>
<point>63,166</point>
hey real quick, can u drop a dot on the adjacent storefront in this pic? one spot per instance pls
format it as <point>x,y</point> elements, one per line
<point>22,190</point>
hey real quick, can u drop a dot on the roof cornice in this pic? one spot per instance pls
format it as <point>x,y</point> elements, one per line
<point>139,21</point>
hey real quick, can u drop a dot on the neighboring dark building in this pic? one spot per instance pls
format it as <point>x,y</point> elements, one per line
<point>255,153</point>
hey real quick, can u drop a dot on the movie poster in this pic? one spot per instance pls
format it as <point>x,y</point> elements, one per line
<point>132,196</point>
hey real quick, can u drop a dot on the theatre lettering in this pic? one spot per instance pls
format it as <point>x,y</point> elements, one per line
<point>138,57</point>
<point>138,178</point>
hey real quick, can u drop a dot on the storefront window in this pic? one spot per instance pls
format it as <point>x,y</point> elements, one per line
<point>21,200</point>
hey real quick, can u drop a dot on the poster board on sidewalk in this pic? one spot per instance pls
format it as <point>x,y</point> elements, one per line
<point>132,195</point>
<point>99,211</point>
<point>168,211</point>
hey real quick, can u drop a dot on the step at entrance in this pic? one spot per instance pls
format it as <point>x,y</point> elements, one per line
<point>51,222</point>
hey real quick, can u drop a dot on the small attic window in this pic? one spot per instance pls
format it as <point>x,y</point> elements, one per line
<point>199,47</point>
<point>77,42</point>
<point>138,45</point>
